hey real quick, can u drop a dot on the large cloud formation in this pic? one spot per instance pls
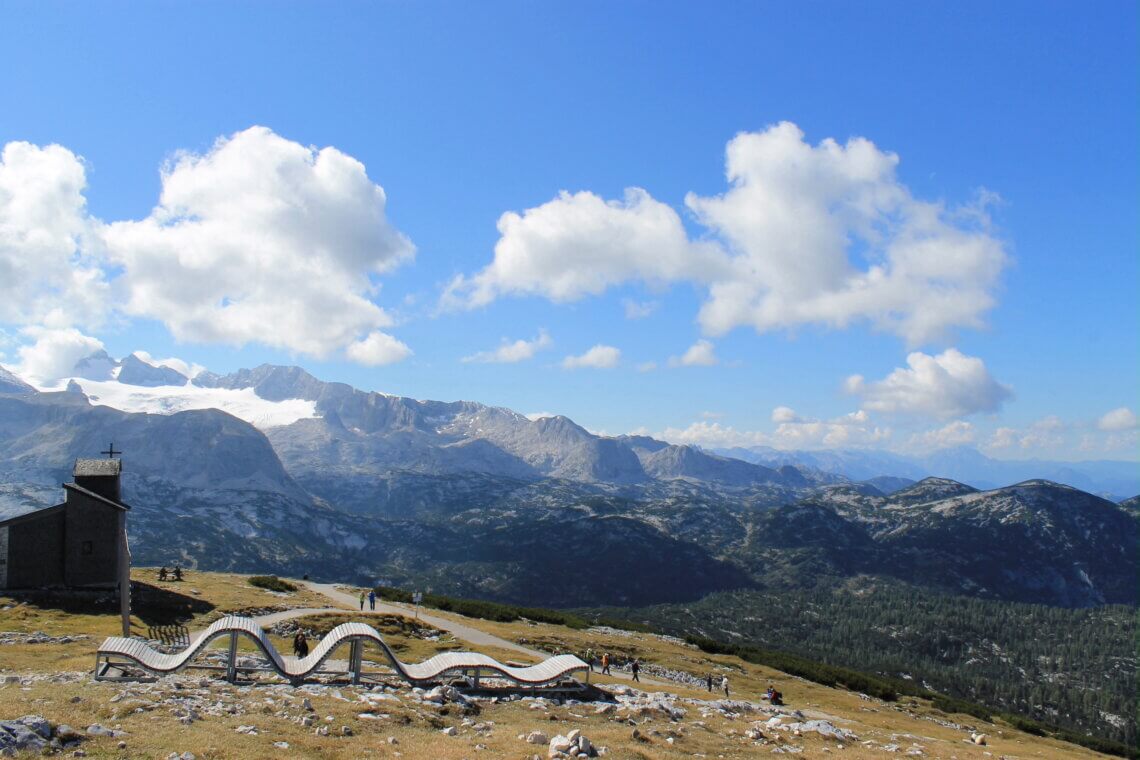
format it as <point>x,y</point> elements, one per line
<point>47,275</point>
<point>823,234</point>
<point>260,239</point>
<point>950,384</point>
<point>580,244</point>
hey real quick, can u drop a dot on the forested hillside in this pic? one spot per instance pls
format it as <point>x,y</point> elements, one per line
<point>1072,668</point>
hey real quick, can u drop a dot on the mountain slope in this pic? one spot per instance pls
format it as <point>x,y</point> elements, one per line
<point>1035,541</point>
<point>484,501</point>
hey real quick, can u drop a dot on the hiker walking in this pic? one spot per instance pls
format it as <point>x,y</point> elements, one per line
<point>372,600</point>
<point>177,573</point>
<point>162,573</point>
<point>724,683</point>
<point>606,664</point>
<point>590,658</point>
<point>362,601</point>
<point>708,680</point>
<point>635,668</point>
<point>300,645</point>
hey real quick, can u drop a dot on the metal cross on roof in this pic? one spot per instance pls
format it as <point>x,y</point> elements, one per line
<point>110,452</point>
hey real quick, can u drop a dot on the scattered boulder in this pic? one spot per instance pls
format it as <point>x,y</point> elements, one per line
<point>573,744</point>
<point>18,736</point>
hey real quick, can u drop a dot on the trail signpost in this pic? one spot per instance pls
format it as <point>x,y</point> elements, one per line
<point>417,597</point>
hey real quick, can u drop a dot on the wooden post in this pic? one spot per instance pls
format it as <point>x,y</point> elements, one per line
<point>124,575</point>
<point>231,664</point>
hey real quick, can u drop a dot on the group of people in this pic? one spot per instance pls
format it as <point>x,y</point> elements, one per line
<point>723,682</point>
<point>606,660</point>
<point>371,597</point>
<point>774,697</point>
<point>164,574</point>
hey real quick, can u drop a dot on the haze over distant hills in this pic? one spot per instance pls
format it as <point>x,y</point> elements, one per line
<point>1114,480</point>
<point>273,469</point>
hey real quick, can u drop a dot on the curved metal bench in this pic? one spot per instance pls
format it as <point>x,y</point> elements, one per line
<point>117,650</point>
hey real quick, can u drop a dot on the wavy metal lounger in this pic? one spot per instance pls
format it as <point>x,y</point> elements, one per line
<point>116,650</point>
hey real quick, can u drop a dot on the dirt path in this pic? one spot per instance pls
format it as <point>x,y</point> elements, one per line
<point>460,631</point>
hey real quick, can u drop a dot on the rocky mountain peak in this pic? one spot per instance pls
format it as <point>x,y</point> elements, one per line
<point>930,489</point>
<point>135,371</point>
<point>97,366</point>
<point>9,383</point>
<point>272,382</point>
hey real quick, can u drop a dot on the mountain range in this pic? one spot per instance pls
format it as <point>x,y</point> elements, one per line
<point>271,469</point>
<point>1114,480</point>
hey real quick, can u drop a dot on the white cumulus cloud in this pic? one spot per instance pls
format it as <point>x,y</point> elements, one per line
<point>511,352</point>
<point>827,234</point>
<point>581,244</point>
<point>598,357</point>
<point>784,414</point>
<point>1042,436</point>
<point>264,240</point>
<point>855,429</point>
<point>48,276</point>
<point>1118,419</point>
<point>260,239</point>
<point>823,234</point>
<point>950,384</point>
<point>791,432</point>
<point>376,349</point>
<point>700,354</point>
<point>51,353</point>
<point>956,433</point>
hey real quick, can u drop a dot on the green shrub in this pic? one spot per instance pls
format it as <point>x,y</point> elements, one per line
<point>821,673</point>
<point>963,707</point>
<point>272,583</point>
<point>1096,743</point>
<point>503,613</point>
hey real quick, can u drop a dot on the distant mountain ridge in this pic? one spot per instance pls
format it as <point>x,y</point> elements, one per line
<point>438,437</point>
<point>1115,480</point>
<point>483,501</point>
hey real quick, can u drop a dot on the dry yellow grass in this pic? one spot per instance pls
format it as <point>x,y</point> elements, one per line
<point>152,724</point>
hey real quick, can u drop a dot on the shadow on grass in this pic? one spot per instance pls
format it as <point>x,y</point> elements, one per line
<point>153,605</point>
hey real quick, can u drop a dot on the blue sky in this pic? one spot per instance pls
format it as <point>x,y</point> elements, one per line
<point>984,158</point>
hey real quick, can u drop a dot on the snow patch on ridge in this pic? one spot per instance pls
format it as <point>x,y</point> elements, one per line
<point>242,403</point>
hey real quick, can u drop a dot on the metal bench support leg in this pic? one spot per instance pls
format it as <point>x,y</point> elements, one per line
<point>355,659</point>
<point>231,663</point>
